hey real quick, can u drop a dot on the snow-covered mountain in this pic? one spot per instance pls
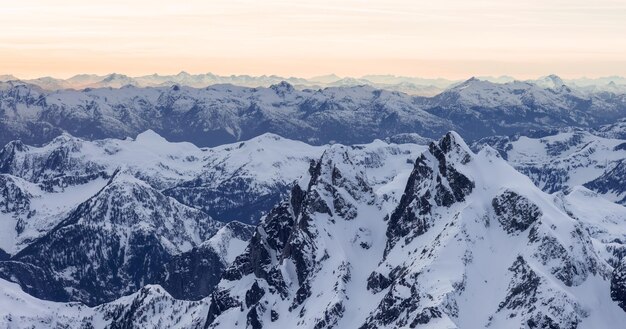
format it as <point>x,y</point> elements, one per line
<point>28,210</point>
<point>613,130</point>
<point>215,115</point>
<point>381,236</point>
<point>237,181</point>
<point>110,245</point>
<point>150,307</point>
<point>567,159</point>
<point>410,85</point>
<point>459,234</point>
<point>485,108</point>
<point>224,113</point>
<point>551,81</point>
<point>125,236</point>
<point>122,198</point>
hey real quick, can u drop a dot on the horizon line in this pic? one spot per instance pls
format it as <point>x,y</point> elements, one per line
<point>340,77</point>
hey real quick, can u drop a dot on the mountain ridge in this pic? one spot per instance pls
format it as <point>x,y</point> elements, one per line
<point>355,114</point>
<point>366,236</point>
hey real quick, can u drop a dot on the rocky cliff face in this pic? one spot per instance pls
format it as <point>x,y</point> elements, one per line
<point>375,236</point>
<point>113,199</point>
<point>458,234</point>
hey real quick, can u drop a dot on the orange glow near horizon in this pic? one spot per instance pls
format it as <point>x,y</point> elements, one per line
<point>446,38</point>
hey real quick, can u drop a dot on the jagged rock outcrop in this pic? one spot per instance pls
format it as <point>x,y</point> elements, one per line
<point>433,183</point>
<point>192,275</point>
<point>370,239</point>
<point>516,213</point>
<point>618,284</point>
<point>298,234</point>
<point>458,231</point>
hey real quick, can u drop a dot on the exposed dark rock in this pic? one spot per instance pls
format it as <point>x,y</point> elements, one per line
<point>426,189</point>
<point>220,301</point>
<point>394,309</point>
<point>332,315</point>
<point>192,275</point>
<point>618,284</point>
<point>13,198</point>
<point>611,181</point>
<point>515,212</point>
<point>102,257</point>
<point>377,282</point>
<point>522,293</point>
<point>620,147</point>
<point>254,294</point>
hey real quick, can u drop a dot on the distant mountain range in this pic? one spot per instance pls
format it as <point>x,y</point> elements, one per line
<point>410,85</point>
<point>560,162</point>
<point>415,86</point>
<point>226,113</point>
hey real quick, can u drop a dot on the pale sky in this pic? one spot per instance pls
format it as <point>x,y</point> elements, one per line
<point>434,38</point>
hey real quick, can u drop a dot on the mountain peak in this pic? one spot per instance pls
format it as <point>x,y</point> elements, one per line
<point>282,88</point>
<point>329,78</point>
<point>551,81</point>
<point>8,77</point>
<point>115,76</point>
<point>471,84</point>
<point>451,146</point>
<point>452,141</point>
<point>150,136</point>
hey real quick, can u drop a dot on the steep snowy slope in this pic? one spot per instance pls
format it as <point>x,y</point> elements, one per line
<point>110,245</point>
<point>21,310</point>
<point>27,211</point>
<point>567,159</point>
<point>453,239</point>
<point>55,198</point>
<point>472,243</point>
<point>605,223</point>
